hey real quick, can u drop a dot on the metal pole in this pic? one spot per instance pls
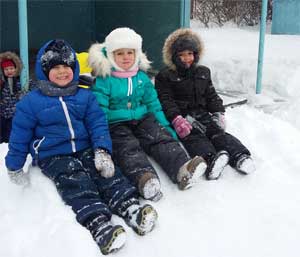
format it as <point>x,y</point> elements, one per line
<point>185,9</point>
<point>262,32</point>
<point>23,42</point>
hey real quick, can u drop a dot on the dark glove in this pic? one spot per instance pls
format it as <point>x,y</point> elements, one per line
<point>196,124</point>
<point>19,177</point>
<point>86,80</point>
<point>219,119</point>
<point>104,163</point>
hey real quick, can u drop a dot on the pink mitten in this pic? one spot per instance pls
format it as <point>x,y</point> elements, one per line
<point>182,126</point>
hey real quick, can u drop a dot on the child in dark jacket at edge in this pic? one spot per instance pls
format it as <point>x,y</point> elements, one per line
<point>194,108</point>
<point>66,132</point>
<point>10,91</point>
<point>138,125</point>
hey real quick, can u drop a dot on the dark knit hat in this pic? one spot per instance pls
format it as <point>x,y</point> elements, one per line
<point>58,52</point>
<point>181,44</point>
<point>184,43</point>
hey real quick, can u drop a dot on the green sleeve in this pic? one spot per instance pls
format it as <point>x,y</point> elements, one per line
<point>101,89</point>
<point>151,100</point>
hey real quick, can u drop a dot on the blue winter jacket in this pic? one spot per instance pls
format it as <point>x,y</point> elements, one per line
<point>56,125</point>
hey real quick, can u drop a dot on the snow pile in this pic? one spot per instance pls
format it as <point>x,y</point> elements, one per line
<point>248,216</point>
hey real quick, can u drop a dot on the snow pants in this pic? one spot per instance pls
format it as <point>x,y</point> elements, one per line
<point>207,144</point>
<point>81,186</point>
<point>134,140</point>
<point>5,129</point>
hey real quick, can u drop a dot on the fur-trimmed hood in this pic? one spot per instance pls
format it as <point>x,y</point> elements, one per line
<point>186,34</point>
<point>14,58</point>
<point>101,58</point>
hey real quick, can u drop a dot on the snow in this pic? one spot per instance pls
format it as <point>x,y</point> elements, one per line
<point>249,216</point>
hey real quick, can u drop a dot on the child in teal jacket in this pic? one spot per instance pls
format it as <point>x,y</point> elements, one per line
<point>138,125</point>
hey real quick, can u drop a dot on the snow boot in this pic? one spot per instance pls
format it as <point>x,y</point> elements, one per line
<point>149,187</point>
<point>191,172</point>
<point>245,164</point>
<point>217,165</point>
<point>109,238</point>
<point>141,219</point>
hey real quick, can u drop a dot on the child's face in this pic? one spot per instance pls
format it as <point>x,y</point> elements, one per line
<point>124,58</point>
<point>61,75</point>
<point>187,57</point>
<point>9,71</point>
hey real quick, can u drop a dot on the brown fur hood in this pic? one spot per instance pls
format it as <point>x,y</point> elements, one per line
<point>179,33</point>
<point>15,58</point>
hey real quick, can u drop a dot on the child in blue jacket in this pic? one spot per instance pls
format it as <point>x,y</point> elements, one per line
<point>66,132</point>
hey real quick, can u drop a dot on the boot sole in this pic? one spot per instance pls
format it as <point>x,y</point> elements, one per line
<point>248,165</point>
<point>218,166</point>
<point>116,242</point>
<point>146,220</point>
<point>197,167</point>
<point>151,189</point>
<point>157,197</point>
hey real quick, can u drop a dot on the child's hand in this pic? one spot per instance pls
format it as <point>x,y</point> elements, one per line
<point>219,119</point>
<point>104,163</point>
<point>182,126</point>
<point>19,177</point>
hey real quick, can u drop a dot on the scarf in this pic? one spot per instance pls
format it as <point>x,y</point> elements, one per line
<point>124,74</point>
<point>50,89</point>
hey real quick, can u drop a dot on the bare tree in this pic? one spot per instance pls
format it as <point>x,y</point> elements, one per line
<point>241,12</point>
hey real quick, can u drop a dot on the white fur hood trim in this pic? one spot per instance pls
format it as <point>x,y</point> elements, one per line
<point>101,65</point>
<point>98,62</point>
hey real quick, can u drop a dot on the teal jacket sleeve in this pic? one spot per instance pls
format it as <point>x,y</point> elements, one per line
<point>101,90</point>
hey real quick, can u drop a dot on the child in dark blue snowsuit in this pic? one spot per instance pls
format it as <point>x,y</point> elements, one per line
<point>66,132</point>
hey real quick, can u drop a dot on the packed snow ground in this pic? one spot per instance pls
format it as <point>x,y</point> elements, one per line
<point>236,216</point>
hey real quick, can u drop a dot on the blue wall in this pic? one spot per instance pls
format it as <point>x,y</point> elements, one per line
<point>286,17</point>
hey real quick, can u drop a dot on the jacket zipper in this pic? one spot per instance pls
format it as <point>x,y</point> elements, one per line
<point>65,108</point>
<point>36,144</point>
<point>129,92</point>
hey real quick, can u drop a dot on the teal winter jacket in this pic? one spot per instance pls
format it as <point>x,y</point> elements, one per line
<point>125,100</point>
